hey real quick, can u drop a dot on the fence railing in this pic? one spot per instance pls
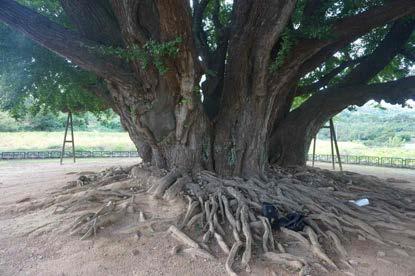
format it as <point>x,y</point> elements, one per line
<point>346,159</point>
<point>393,162</point>
<point>17,155</point>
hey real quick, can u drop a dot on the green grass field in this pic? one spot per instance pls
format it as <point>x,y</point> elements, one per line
<point>357,148</point>
<point>31,141</point>
<point>28,141</point>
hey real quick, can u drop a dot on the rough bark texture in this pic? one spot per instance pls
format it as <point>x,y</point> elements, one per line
<point>244,119</point>
<point>245,96</point>
<point>291,139</point>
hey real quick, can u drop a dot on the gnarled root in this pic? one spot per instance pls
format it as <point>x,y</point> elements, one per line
<point>195,249</point>
<point>316,247</point>
<point>161,186</point>
<point>286,259</point>
<point>337,244</point>
<point>228,211</point>
<point>88,224</point>
<point>190,210</point>
<point>231,258</point>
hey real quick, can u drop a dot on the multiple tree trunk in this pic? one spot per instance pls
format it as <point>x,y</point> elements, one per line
<point>291,139</point>
<point>244,120</point>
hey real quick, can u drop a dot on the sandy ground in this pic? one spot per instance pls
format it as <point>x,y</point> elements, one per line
<point>45,251</point>
<point>35,242</point>
<point>401,178</point>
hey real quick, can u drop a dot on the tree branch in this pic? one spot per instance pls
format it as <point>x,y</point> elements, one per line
<point>388,48</point>
<point>408,54</point>
<point>64,42</point>
<point>333,100</point>
<point>138,20</point>
<point>394,92</point>
<point>323,81</point>
<point>348,29</point>
<point>309,53</point>
<point>369,65</point>
<point>307,119</point>
<point>321,106</point>
<point>94,20</point>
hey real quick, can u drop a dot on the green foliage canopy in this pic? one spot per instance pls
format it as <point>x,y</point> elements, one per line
<point>33,79</point>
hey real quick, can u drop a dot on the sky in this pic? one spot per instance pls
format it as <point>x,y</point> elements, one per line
<point>410,103</point>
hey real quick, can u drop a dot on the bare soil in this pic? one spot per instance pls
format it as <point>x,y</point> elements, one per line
<point>400,178</point>
<point>35,242</point>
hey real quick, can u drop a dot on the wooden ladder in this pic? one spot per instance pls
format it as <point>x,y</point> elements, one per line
<point>69,123</point>
<point>333,144</point>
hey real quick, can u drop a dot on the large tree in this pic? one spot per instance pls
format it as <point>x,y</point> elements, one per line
<point>251,58</point>
<point>220,88</point>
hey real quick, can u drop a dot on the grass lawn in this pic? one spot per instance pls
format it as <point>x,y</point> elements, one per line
<point>31,141</point>
<point>357,148</point>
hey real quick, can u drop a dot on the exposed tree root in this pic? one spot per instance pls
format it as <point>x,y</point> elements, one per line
<point>286,259</point>
<point>338,245</point>
<point>194,248</point>
<point>296,235</point>
<point>231,257</point>
<point>316,247</point>
<point>227,212</point>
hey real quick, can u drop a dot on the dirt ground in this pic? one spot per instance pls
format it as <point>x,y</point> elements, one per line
<point>36,243</point>
<point>401,178</point>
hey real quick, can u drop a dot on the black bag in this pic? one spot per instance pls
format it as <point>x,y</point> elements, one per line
<point>293,221</point>
<point>271,213</point>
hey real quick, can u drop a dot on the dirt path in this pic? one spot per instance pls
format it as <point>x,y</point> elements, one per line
<point>29,244</point>
<point>35,243</point>
<point>401,178</point>
<point>20,179</point>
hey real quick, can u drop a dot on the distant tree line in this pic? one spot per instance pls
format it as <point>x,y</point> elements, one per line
<point>48,121</point>
<point>375,126</point>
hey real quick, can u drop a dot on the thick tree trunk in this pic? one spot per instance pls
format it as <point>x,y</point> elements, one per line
<point>167,136</point>
<point>244,99</point>
<point>290,141</point>
<point>240,142</point>
<point>240,145</point>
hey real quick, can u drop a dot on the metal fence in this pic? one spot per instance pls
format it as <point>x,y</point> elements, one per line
<point>14,155</point>
<point>392,162</point>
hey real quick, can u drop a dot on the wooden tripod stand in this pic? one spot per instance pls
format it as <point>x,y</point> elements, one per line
<point>333,144</point>
<point>69,123</point>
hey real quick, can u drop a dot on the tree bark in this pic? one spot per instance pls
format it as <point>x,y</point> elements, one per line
<point>94,20</point>
<point>244,101</point>
<point>290,141</point>
<point>64,42</point>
